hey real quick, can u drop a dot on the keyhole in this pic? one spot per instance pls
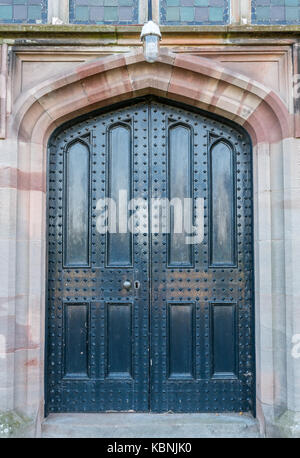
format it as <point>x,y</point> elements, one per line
<point>137,285</point>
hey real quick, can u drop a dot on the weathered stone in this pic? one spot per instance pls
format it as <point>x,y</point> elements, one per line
<point>288,425</point>
<point>150,425</point>
<point>13,425</point>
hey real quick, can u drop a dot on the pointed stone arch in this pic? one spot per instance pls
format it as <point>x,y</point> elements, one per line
<point>196,81</point>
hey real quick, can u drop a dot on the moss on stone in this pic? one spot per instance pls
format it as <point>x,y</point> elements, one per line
<point>111,33</point>
<point>288,424</point>
<point>91,28</point>
<point>14,425</point>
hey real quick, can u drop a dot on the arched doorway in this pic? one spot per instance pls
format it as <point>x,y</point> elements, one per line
<point>155,318</point>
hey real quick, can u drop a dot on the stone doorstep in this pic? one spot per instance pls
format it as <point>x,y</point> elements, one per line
<point>147,425</point>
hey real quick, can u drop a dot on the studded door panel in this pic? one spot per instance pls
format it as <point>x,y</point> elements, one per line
<point>202,298</point>
<point>180,338</point>
<point>98,339</point>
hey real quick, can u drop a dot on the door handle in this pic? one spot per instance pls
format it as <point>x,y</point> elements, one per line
<point>127,285</point>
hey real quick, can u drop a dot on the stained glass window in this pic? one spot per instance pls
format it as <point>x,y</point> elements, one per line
<point>275,11</point>
<point>194,12</point>
<point>104,11</point>
<point>23,11</point>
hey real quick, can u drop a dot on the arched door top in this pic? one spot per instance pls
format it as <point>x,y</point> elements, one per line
<point>193,80</point>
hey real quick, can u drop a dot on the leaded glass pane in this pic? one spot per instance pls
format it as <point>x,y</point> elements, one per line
<point>23,11</point>
<point>275,11</point>
<point>104,11</point>
<point>185,12</point>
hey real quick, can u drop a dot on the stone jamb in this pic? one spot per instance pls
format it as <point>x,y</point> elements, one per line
<point>3,90</point>
<point>241,12</point>
<point>58,12</point>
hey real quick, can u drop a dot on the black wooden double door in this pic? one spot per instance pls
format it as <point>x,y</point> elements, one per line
<point>143,316</point>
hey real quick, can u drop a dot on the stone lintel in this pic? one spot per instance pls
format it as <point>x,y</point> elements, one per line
<point>12,29</point>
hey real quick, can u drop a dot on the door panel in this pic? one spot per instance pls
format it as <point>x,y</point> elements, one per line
<point>224,334</point>
<point>181,341</point>
<point>119,335</point>
<point>222,195</point>
<point>119,172</point>
<point>144,319</point>
<point>203,308</point>
<point>76,194</point>
<point>98,338</point>
<point>76,340</point>
<point>180,187</point>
